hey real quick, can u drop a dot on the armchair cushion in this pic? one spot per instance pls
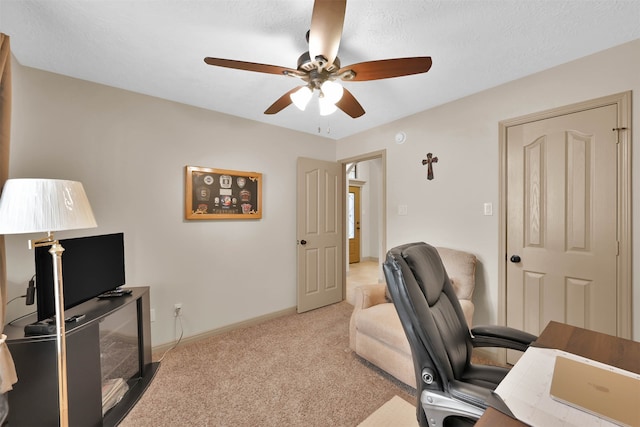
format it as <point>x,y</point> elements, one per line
<point>461,269</point>
<point>383,323</point>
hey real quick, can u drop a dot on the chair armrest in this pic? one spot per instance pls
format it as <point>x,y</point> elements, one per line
<point>369,295</point>
<point>501,336</point>
<point>469,393</point>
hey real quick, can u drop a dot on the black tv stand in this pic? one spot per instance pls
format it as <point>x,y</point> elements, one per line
<point>113,339</point>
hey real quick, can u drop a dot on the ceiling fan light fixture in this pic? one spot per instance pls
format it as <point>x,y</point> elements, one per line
<point>319,68</point>
<point>301,97</point>
<point>332,91</point>
<point>326,106</point>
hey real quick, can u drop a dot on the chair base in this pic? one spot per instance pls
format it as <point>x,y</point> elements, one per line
<point>438,406</point>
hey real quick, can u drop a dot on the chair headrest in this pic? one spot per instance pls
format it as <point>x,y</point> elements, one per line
<point>427,268</point>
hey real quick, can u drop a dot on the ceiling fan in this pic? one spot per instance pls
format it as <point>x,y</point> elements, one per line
<point>320,67</point>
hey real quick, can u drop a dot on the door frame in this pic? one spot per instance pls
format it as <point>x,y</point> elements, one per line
<point>624,262</point>
<point>382,155</point>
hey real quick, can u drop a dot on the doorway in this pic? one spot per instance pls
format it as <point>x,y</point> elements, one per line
<point>353,223</point>
<point>367,173</point>
<point>565,218</point>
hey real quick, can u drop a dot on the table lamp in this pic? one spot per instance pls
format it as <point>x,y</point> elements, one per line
<point>48,205</point>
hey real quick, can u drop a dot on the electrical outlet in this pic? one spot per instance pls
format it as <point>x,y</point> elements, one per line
<point>177,309</point>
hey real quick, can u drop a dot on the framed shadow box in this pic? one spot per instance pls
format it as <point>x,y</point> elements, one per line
<point>222,194</point>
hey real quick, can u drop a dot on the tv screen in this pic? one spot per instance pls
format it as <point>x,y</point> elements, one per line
<point>90,266</point>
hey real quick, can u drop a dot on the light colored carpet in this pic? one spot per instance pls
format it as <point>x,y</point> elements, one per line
<point>296,370</point>
<point>397,412</point>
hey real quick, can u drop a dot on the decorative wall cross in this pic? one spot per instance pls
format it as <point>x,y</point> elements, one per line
<point>429,162</point>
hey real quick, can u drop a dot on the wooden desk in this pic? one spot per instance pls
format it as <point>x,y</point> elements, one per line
<point>614,351</point>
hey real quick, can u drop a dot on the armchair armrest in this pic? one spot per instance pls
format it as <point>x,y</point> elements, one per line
<point>369,295</point>
<point>365,296</point>
<point>501,336</point>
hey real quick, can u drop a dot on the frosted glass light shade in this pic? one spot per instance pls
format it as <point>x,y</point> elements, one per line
<point>332,91</point>
<point>326,106</point>
<point>301,97</point>
<point>44,205</point>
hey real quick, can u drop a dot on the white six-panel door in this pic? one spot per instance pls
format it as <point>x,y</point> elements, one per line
<point>319,233</point>
<point>562,244</point>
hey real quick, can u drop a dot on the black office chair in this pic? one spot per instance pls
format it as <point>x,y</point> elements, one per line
<point>451,390</point>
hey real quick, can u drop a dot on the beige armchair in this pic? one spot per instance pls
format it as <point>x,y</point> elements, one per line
<point>375,331</point>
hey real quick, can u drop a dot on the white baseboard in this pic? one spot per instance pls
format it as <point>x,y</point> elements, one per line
<point>240,325</point>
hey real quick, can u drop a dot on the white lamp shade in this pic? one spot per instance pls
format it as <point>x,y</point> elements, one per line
<point>332,91</point>
<point>326,106</point>
<point>301,97</point>
<point>44,205</point>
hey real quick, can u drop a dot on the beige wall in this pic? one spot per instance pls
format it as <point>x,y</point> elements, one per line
<point>448,211</point>
<point>129,150</point>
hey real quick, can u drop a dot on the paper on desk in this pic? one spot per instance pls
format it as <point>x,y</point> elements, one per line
<point>525,390</point>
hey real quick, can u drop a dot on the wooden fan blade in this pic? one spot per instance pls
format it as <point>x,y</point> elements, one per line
<point>248,66</point>
<point>281,103</point>
<point>350,105</point>
<point>388,68</point>
<point>326,28</point>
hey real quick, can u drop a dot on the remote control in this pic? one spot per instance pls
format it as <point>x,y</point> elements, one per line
<point>115,293</point>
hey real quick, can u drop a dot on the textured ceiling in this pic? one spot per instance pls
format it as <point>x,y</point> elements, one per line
<point>156,47</point>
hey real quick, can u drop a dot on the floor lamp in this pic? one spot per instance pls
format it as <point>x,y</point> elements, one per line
<point>48,205</point>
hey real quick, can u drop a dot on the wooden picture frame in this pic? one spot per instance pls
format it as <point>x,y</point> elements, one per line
<point>222,194</point>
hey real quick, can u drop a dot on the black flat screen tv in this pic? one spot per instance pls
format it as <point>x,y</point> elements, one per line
<point>90,266</point>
